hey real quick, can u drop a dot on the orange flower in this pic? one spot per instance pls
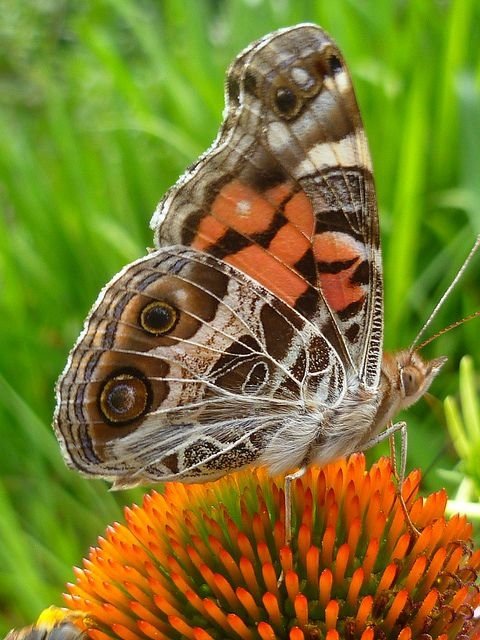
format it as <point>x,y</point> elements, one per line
<point>204,562</point>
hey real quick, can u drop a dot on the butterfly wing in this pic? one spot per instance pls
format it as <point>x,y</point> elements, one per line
<point>173,378</point>
<point>286,193</point>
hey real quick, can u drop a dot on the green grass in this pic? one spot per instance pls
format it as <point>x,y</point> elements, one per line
<point>102,106</point>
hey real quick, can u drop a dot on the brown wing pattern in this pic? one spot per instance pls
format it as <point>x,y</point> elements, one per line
<point>286,193</point>
<point>171,377</point>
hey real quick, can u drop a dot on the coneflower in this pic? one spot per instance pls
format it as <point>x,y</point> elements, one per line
<point>208,562</point>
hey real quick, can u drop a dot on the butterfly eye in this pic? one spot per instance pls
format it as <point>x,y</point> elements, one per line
<point>158,318</point>
<point>124,398</point>
<point>287,102</point>
<point>409,380</point>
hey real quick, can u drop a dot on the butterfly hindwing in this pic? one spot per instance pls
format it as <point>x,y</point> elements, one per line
<point>170,369</point>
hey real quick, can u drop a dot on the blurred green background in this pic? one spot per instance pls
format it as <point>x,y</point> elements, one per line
<point>102,105</point>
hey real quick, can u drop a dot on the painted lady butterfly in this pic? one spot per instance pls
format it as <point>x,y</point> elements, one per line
<point>253,334</point>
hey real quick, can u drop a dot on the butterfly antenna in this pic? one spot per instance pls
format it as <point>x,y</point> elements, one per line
<point>454,325</point>
<point>439,304</point>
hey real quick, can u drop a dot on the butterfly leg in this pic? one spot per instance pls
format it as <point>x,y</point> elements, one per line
<point>400,475</point>
<point>387,433</point>
<point>288,509</point>
<point>288,502</point>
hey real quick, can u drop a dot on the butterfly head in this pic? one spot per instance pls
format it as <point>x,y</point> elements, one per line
<point>410,375</point>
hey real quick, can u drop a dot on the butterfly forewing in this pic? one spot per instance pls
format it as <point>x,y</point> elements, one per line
<point>287,194</point>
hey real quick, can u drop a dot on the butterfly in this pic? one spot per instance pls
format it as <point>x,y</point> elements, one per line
<point>253,333</point>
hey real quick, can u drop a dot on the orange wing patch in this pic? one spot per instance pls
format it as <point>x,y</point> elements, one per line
<point>248,212</point>
<point>274,275</point>
<point>344,258</point>
<point>210,231</point>
<point>300,213</point>
<point>243,209</point>
<point>239,207</point>
<point>288,246</point>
